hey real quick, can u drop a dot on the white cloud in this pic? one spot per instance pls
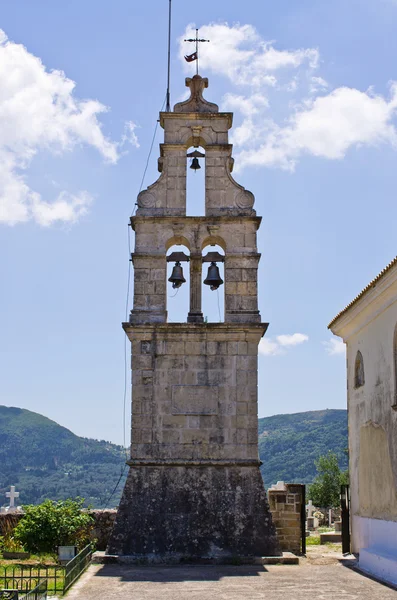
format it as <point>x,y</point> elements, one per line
<point>278,345</point>
<point>320,122</point>
<point>39,112</point>
<point>129,135</point>
<point>239,52</point>
<point>317,84</point>
<point>327,127</point>
<point>334,346</point>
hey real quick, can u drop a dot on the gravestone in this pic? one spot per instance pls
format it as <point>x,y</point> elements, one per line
<point>12,495</point>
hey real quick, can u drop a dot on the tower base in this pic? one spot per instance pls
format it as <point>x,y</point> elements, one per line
<point>188,513</point>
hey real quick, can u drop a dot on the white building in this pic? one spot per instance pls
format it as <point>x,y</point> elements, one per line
<point>368,326</point>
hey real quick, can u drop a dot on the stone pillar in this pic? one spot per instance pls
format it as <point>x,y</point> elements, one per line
<point>286,511</point>
<point>195,312</point>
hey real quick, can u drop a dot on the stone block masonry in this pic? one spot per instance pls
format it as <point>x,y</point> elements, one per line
<point>285,507</point>
<point>194,490</point>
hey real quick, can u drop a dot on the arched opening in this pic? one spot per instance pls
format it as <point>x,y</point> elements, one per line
<point>178,291</point>
<point>213,299</point>
<point>359,378</point>
<point>195,182</point>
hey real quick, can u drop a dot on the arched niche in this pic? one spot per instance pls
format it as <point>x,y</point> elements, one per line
<point>213,302</point>
<point>195,182</point>
<point>214,240</point>
<point>359,375</point>
<point>178,298</point>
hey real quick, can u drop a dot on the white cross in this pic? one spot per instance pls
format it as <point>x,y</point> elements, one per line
<point>12,494</point>
<point>310,509</point>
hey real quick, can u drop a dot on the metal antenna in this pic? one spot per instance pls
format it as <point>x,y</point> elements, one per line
<point>168,105</point>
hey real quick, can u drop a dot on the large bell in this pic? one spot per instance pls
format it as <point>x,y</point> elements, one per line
<point>177,277</point>
<point>213,278</point>
<point>195,164</point>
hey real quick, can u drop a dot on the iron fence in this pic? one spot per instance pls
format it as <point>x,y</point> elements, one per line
<point>38,593</point>
<point>76,566</point>
<point>27,578</point>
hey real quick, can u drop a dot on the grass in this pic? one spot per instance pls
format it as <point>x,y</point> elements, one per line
<point>313,540</point>
<point>45,559</point>
<point>26,573</point>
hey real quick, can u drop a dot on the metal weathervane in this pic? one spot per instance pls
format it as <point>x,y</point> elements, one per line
<point>195,56</point>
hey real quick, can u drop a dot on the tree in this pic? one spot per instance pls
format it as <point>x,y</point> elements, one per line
<point>50,524</point>
<point>325,490</point>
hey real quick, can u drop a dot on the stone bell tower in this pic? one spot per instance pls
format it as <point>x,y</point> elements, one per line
<point>194,489</point>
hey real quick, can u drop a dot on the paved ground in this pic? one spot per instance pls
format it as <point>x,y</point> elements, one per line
<point>323,575</point>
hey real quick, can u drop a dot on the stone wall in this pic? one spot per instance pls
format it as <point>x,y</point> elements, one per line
<point>104,520</point>
<point>285,506</point>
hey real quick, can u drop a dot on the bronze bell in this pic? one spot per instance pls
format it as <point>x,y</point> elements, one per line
<point>213,278</point>
<point>195,164</point>
<point>177,277</point>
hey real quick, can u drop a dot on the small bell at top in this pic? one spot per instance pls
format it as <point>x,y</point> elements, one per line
<point>195,164</point>
<point>177,277</point>
<point>213,278</point>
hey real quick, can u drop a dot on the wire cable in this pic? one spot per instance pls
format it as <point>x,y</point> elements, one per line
<point>176,293</point>
<point>149,155</point>
<point>127,306</point>
<point>219,306</point>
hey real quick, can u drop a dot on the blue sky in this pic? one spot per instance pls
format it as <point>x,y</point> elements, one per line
<point>314,139</point>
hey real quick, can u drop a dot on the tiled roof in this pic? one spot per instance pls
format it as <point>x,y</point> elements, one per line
<point>364,291</point>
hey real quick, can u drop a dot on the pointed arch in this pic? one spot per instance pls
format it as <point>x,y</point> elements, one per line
<point>359,376</point>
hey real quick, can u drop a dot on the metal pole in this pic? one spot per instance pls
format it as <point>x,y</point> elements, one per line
<point>197,61</point>
<point>169,58</point>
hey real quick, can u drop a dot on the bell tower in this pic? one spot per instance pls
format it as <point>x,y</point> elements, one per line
<point>194,489</point>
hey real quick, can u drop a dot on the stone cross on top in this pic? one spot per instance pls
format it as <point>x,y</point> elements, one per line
<point>12,494</point>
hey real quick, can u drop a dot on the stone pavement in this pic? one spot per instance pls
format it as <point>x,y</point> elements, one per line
<point>317,578</point>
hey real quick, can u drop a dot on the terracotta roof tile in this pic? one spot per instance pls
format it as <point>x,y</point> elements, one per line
<point>364,291</point>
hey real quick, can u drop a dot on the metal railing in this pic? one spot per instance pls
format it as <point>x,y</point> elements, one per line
<point>58,579</point>
<point>26,577</point>
<point>38,593</point>
<point>76,566</point>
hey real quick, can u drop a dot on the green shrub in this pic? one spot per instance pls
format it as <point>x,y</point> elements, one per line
<point>51,524</point>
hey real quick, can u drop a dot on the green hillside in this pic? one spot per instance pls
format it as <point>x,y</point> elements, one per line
<point>45,460</point>
<point>289,444</point>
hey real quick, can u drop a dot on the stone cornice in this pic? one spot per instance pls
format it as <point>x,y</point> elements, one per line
<point>185,220</point>
<point>194,116</point>
<point>185,462</point>
<point>188,328</point>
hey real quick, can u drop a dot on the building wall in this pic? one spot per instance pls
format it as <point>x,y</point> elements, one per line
<point>373,426</point>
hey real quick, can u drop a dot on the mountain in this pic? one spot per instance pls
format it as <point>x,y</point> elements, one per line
<point>44,460</point>
<point>289,444</point>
